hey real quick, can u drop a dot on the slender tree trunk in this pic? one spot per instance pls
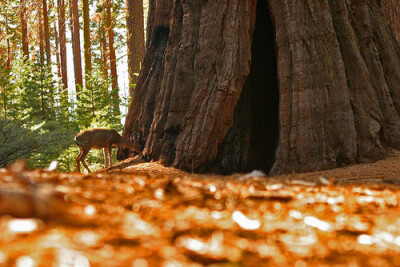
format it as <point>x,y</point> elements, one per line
<point>8,63</point>
<point>2,49</point>
<point>135,39</point>
<point>213,95</point>
<point>104,53</point>
<point>113,62</point>
<point>46,32</point>
<point>3,88</point>
<point>86,37</point>
<point>24,28</point>
<point>76,44</point>
<point>41,58</point>
<point>8,41</point>
<point>62,39</point>
<point>57,51</point>
<point>40,32</point>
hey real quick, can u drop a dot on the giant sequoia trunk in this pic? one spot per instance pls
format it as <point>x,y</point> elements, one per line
<point>282,86</point>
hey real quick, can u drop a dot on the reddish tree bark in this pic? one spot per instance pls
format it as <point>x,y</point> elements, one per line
<point>113,61</point>
<point>198,85</point>
<point>40,31</point>
<point>392,12</point>
<point>62,39</point>
<point>104,52</point>
<point>24,28</point>
<point>76,43</point>
<point>276,85</point>
<point>57,51</point>
<point>86,37</point>
<point>8,41</point>
<point>46,32</point>
<point>2,49</point>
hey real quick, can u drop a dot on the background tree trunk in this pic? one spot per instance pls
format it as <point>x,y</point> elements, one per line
<point>86,37</point>
<point>46,32</point>
<point>276,85</point>
<point>76,43</point>
<point>62,38</point>
<point>8,40</point>
<point>135,39</point>
<point>2,49</point>
<point>40,31</point>
<point>57,52</point>
<point>24,28</point>
<point>103,44</point>
<point>113,62</point>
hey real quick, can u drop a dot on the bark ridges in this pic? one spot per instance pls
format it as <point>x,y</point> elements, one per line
<point>206,102</point>
<point>356,119</point>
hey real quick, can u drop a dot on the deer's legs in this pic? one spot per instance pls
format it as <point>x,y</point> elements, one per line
<point>105,157</point>
<point>78,159</point>
<point>83,156</point>
<point>110,154</point>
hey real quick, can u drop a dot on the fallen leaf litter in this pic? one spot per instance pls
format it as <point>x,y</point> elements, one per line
<point>157,216</point>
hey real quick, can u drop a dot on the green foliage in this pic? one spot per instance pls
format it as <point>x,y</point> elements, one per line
<point>54,138</point>
<point>33,90</point>
<point>38,122</point>
<point>67,159</point>
<point>9,25</point>
<point>35,124</point>
<point>5,92</point>
<point>12,146</point>
<point>95,103</point>
<point>39,143</point>
<point>38,119</point>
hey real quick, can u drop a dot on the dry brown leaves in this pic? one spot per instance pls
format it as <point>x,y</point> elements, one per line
<point>151,215</point>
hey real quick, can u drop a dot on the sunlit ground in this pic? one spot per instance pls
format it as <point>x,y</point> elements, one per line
<point>150,215</point>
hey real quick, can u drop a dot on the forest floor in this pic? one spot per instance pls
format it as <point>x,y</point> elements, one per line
<point>149,215</point>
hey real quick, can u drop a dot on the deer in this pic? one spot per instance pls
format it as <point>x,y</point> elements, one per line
<point>98,139</point>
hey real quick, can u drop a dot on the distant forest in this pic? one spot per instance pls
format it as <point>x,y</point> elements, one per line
<point>59,74</point>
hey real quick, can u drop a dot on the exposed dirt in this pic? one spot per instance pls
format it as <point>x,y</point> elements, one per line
<point>150,215</point>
